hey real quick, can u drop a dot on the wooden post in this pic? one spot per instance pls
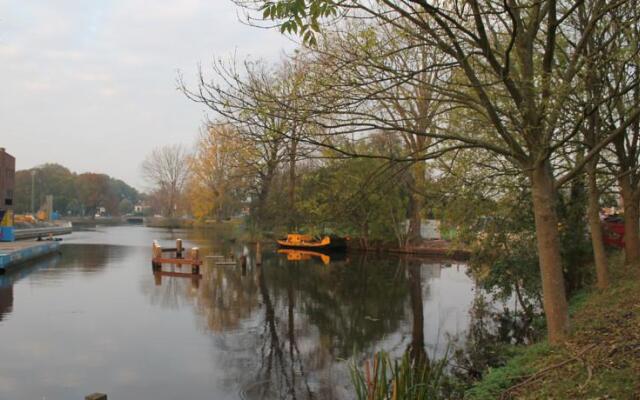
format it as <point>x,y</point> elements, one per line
<point>157,278</point>
<point>179,248</point>
<point>195,282</point>
<point>258,254</point>
<point>156,252</point>
<point>96,396</point>
<point>195,256</point>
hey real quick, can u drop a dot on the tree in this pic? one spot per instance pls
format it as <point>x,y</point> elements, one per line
<point>515,71</point>
<point>125,206</point>
<point>93,192</point>
<point>400,104</point>
<point>48,179</point>
<point>244,102</point>
<point>218,181</point>
<point>167,168</point>
<point>618,87</point>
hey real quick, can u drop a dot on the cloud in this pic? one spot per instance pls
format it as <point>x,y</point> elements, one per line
<point>37,86</point>
<point>97,80</point>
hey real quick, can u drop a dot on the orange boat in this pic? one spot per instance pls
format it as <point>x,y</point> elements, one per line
<point>298,241</point>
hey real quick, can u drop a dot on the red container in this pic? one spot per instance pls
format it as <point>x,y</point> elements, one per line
<point>613,233</point>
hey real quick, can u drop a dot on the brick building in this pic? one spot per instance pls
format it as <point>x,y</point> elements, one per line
<point>7,183</point>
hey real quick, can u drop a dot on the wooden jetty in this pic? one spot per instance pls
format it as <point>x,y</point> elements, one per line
<point>177,259</point>
<point>14,253</point>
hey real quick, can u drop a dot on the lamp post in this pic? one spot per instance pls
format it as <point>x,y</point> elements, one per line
<point>33,185</point>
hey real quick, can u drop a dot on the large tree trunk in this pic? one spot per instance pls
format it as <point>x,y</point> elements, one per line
<point>593,212</point>
<point>548,242</point>
<point>263,196</point>
<point>631,216</point>
<point>416,203</point>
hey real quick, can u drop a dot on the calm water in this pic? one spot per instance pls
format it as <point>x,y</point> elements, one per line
<point>96,319</point>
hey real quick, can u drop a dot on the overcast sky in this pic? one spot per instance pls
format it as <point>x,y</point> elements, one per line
<point>92,84</point>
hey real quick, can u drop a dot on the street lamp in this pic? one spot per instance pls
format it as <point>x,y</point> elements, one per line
<point>33,185</point>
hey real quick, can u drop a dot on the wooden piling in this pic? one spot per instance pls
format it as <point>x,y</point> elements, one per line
<point>179,248</point>
<point>195,256</point>
<point>195,282</point>
<point>258,254</point>
<point>156,252</point>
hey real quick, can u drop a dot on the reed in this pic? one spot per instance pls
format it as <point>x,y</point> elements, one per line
<point>382,378</point>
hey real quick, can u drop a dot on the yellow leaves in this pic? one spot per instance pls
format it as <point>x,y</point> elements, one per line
<point>219,167</point>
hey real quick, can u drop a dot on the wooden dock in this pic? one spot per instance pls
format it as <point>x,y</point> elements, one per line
<point>14,253</point>
<point>176,259</point>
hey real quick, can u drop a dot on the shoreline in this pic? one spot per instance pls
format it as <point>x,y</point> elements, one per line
<point>600,356</point>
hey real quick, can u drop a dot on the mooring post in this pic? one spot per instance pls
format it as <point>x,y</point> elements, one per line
<point>156,252</point>
<point>243,265</point>
<point>96,396</point>
<point>179,248</point>
<point>258,254</point>
<point>195,256</point>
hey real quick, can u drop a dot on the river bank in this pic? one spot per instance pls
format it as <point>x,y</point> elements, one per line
<point>427,248</point>
<point>600,359</point>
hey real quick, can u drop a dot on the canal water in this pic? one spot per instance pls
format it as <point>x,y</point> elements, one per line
<point>96,319</point>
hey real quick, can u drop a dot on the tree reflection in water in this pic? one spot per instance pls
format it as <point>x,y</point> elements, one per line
<point>493,328</point>
<point>416,350</point>
<point>285,329</point>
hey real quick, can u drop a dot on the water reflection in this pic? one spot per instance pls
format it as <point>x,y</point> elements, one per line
<point>6,300</point>
<point>12,276</point>
<point>286,326</point>
<point>98,319</point>
<point>294,255</point>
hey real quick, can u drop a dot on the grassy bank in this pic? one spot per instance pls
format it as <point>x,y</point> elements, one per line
<point>599,360</point>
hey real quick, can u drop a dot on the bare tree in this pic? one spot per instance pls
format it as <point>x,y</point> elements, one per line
<point>167,168</point>
<point>244,97</point>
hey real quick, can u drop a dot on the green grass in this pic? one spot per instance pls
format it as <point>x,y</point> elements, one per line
<point>499,379</point>
<point>600,359</point>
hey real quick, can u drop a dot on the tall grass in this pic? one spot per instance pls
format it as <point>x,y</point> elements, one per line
<point>382,378</point>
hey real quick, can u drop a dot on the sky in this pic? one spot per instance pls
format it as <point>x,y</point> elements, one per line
<point>91,84</point>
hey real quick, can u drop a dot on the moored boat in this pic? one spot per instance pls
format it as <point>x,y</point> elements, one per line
<point>299,241</point>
